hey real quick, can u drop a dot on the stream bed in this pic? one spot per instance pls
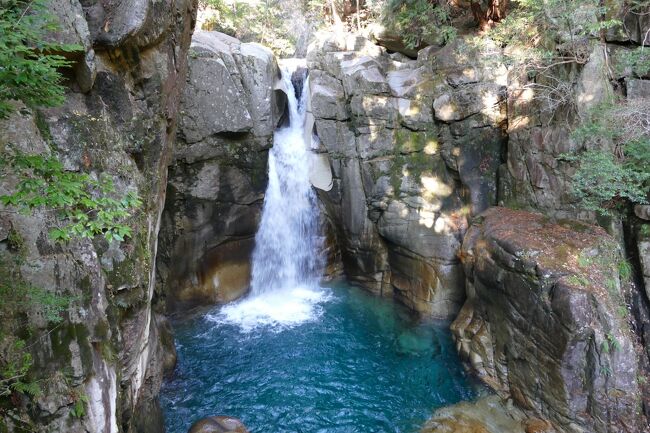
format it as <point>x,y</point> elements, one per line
<point>352,363</point>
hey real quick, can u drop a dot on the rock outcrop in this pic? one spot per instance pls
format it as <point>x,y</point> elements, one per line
<point>415,146</point>
<point>546,322</point>
<point>101,368</point>
<point>229,110</point>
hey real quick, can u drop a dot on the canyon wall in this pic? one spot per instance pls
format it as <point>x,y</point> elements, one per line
<point>415,147</point>
<point>101,368</point>
<point>218,175</point>
<point>546,321</point>
<point>419,150</point>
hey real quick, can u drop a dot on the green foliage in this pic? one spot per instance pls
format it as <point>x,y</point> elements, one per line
<point>418,21</point>
<point>551,32</point>
<point>578,281</point>
<point>83,203</point>
<point>14,366</point>
<point>637,60</point>
<point>603,184</point>
<point>625,270</point>
<point>610,343</point>
<point>268,22</point>
<point>29,71</point>
<point>605,181</point>
<point>79,405</point>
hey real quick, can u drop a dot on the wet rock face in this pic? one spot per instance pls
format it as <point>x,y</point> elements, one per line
<point>118,120</point>
<point>415,146</point>
<point>545,321</point>
<point>217,180</point>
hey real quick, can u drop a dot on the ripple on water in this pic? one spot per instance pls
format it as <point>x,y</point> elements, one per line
<point>319,361</point>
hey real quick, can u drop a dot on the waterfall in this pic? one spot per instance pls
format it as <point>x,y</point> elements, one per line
<point>287,262</point>
<point>287,243</point>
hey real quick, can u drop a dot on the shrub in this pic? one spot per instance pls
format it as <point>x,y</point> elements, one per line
<point>419,21</point>
<point>605,181</point>
<point>84,205</point>
<point>28,63</point>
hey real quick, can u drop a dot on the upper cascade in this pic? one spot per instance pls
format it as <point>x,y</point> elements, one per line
<point>288,239</point>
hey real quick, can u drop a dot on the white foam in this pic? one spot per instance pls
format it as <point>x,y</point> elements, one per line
<point>278,310</point>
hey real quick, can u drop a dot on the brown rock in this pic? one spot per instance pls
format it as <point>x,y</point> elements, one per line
<point>218,424</point>
<point>549,297</point>
<point>536,425</point>
<point>489,414</point>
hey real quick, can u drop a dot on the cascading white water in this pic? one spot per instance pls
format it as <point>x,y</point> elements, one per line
<point>287,241</point>
<point>287,260</point>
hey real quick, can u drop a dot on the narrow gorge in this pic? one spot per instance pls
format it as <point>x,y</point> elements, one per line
<point>321,225</point>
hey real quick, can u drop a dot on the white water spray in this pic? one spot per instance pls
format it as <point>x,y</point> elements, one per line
<point>287,262</point>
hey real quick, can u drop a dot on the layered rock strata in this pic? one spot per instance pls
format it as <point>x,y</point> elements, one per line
<point>546,321</point>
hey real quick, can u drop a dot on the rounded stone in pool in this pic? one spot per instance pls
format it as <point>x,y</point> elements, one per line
<point>358,363</point>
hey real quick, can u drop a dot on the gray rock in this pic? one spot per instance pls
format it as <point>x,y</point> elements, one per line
<point>593,86</point>
<point>363,76</point>
<point>327,97</point>
<point>374,110</point>
<point>485,98</point>
<point>410,83</point>
<point>637,89</point>
<point>337,137</point>
<point>121,109</point>
<point>211,87</point>
<point>415,114</point>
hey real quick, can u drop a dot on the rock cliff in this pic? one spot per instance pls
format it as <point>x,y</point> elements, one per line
<point>101,368</point>
<point>415,146</point>
<point>218,176</point>
<point>546,320</point>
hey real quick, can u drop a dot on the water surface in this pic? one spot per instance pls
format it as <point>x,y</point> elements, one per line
<point>355,363</point>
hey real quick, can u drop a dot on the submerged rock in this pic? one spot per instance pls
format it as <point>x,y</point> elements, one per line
<point>545,321</point>
<point>487,415</point>
<point>218,424</point>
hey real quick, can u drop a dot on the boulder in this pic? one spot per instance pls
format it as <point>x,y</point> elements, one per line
<point>638,89</point>
<point>216,185</point>
<point>545,321</point>
<point>218,424</point>
<point>363,76</point>
<point>328,97</point>
<point>226,73</point>
<point>374,110</point>
<point>391,41</point>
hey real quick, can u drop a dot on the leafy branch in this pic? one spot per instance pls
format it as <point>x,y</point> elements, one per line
<point>86,205</point>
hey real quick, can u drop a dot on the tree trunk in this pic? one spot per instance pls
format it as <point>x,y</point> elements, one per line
<point>496,11</point>
<point>358,17</point>
<point>335,15</point>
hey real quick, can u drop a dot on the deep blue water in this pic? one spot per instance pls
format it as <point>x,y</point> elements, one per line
<point>364,365</point>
